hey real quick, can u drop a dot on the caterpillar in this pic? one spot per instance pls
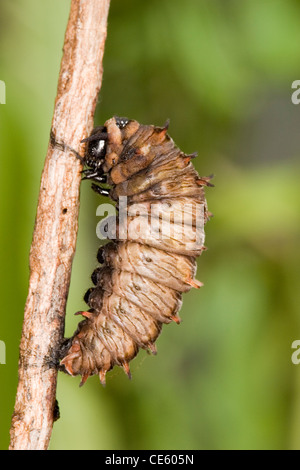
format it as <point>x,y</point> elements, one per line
<point>142,276</point>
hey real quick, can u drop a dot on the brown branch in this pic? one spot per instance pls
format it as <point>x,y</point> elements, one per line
<point>55,232</point>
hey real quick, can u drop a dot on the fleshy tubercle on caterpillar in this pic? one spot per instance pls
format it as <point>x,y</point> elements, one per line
<point>139,286</point>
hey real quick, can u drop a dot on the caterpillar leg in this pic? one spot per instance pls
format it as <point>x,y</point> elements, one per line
<point>94,175</point>
<point>100,190</point>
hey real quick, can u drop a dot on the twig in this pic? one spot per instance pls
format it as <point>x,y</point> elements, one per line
<point>55,232</point>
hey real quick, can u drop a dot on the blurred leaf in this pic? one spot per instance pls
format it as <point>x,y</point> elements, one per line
<point>222,72</point>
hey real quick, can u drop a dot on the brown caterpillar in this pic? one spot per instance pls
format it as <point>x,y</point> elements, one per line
<point>144,273</point>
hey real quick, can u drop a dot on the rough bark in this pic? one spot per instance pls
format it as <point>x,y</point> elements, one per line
<point>55,231</point>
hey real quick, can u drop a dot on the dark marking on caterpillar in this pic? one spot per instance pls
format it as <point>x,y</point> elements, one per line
<point>140,282</point>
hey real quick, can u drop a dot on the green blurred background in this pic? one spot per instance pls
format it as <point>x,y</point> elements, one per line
<point>221,70</point>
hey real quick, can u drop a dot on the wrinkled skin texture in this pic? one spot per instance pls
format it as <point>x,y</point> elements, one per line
<point>139,286</point>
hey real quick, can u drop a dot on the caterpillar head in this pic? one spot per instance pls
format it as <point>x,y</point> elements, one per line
<point>96,148</point>
<point>103,140</point>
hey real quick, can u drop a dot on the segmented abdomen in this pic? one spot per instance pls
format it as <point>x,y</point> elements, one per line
<point>153,259</point>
